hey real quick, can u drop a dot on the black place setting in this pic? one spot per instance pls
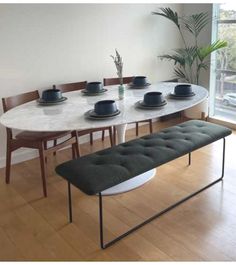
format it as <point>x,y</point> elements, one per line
<point>104,109</point>
<point>151,100</point>
<point>51,97</point>
<point>139,82</point>
<point>94,89</point>
<point>182,91</point>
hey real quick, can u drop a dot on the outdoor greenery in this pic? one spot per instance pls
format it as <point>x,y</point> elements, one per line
<point>226,58</point>
<point>193,58</point>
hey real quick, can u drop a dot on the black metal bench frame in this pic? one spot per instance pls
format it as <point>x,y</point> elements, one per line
<point>100,196</point>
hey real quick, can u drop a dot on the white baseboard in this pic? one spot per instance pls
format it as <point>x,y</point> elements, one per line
<point>24,154</point>
<point>20,156</point>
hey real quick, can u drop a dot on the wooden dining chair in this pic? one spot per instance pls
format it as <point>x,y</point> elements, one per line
<point>35,140</point>
<point>79,86</point>
<point>126,80</point>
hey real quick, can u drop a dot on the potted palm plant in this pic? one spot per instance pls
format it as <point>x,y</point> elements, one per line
<point>192,59</point>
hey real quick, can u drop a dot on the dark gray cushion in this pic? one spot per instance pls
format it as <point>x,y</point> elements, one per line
<point>96,172</point>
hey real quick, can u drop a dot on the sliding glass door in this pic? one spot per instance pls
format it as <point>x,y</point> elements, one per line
<point>223,79</point>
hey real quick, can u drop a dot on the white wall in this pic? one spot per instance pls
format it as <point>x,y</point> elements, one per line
<point>45,44</point>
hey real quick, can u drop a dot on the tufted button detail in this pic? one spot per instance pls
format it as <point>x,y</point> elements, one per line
<point>122,162</point>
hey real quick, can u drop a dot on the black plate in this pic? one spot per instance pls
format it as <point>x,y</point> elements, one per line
<point>131,85</point>
<point>173,95</point>
<point>141,105</point>
<point>87,93</point>
<point>92,115</point>
<point>44,102</point>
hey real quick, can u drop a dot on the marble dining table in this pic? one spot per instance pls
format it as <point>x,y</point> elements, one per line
<point>70,115</point>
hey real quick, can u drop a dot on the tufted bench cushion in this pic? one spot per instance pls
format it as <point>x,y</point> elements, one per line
<point>99,171</point>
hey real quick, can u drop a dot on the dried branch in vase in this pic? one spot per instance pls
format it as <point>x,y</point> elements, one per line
<point>119,66</point>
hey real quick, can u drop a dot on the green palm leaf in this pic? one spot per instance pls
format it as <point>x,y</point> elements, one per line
<point>196,22</point>
<point>179,73</point>
<point>202,66</point>
<point>203,52</point>
<point>169,14</point>
<point>190,60</point>
<point>182,56</point>
<point>178,59</point>
<point>188,54</point>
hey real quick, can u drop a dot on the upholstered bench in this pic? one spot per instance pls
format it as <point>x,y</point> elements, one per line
<point>99,171</point>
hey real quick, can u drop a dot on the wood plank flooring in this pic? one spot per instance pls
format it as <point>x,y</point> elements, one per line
<point>202,229</point>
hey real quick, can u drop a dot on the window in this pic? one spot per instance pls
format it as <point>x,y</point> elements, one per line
<point>223,78</point>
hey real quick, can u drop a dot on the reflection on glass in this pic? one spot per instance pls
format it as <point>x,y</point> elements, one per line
<point>225,90</point>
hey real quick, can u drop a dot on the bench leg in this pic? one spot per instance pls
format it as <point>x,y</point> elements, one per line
<point>101,221</point>
<point>189,159</point>
<point>223,160</point>
<point>106,245</point>
<point>70,204</point>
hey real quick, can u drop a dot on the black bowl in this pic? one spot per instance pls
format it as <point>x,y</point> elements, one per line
<point>94,87</point>
<point>51,95</point>
<point>183,90</point>
<point>140,80</point>
<point>153,98</point>
<point>105,107</point>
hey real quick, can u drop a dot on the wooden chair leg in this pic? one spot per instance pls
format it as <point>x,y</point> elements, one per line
<point>114,135</point>
<point>73,151</point>
<point>43,168</point>
<point>111,136</point>
<point>75,147</point>
<point>136,125</point>
<point>54,144</point>
<point>91,138</point>
<point>150,126</point>
<point>103,135</point>
<point>45,148</point>
<point>203,116</point>
<point>8,163</point>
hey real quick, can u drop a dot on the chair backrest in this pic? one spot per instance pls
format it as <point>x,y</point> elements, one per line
<point>14,101</point>
<point>116,81</point>
<point>71,86</point>
<point>175,80</point>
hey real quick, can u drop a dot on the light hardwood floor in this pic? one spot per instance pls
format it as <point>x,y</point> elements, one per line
<point>203,228</point>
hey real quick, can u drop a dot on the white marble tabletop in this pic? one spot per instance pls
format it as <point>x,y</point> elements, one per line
<point>69,115</point>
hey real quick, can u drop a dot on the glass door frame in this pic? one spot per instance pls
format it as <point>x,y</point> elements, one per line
<point>214,34</point>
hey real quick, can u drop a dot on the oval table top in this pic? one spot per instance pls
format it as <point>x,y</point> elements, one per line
<point>69,115</point>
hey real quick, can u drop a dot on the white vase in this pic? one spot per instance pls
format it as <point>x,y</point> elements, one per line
<point>197,111</point>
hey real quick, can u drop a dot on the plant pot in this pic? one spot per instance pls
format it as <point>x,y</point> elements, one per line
<point>200,111</point>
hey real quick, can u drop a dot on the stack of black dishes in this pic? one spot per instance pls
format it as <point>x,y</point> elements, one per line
<point>103,109</point>
<point>51,97</point>
<point>151,100</point>
<point>182,91</point>
<point>139,82</point>
<point>94,89</point>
